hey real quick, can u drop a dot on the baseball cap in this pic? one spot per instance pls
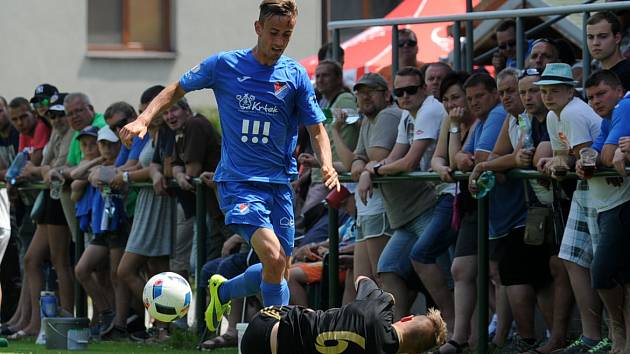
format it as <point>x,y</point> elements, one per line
<point>56,102</point>
<point>88,131</point>
<point>107,134</point>
<point>44,91</point>
<point>556,74</point>
<point>372,80</point>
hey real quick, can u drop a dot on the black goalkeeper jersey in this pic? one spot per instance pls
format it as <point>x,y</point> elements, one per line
<point>363,326</point>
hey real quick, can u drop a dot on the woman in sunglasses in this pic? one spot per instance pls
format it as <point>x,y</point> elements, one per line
<point>52,236</point>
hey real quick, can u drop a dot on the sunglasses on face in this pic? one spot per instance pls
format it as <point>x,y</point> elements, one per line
<point>120,124</point>
<point>410,90</point>
<point>529,72</point>
<point>504,46</point>
<point>52,115</point>
<point>42,103</point>
<point>408,43</point>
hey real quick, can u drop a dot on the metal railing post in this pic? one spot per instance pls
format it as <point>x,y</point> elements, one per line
<point>333,257</point>
<point>457,46</point>
<point>520,44</point>
<point>470,41</point>
<point>80,297</point>
<point>394,51</point>
<point>586,55</point>
<point>200,238</point>
<point>482,274</point>
<point>336,45</point>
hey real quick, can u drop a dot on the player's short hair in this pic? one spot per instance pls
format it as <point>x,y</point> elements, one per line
<point>269,8</point>
<point>481,79</point>
<point>615,24</point>
<point>606,76</point>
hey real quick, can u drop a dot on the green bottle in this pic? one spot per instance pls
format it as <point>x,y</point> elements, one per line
<point>328,114</point>
<point>485,183</point>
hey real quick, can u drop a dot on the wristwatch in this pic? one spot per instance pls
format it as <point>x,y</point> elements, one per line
<point>376,167</point>
<point>454,129</point>
<point>125,176</point>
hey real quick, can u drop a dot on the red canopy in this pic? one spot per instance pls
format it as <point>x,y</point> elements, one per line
<point>371,49</point>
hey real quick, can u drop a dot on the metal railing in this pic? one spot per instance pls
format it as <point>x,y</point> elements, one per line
<point>482,239</point>
<point>81,306</point>
<point>518,14</point>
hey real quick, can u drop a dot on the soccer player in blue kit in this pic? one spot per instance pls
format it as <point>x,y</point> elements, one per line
<point>262,97</point>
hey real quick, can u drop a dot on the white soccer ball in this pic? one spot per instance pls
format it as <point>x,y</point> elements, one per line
<point>167,296</point>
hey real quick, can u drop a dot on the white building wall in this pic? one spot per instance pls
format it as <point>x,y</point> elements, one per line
<point>46,41</point>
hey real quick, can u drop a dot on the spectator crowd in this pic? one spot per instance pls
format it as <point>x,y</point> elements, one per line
<point>555,243</point>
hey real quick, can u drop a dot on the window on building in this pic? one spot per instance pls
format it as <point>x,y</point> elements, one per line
<point>139,25</point>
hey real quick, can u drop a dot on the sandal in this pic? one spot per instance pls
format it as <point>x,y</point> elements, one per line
<point>223,341</point>
<point>459,348</point>
<point>20,335</point>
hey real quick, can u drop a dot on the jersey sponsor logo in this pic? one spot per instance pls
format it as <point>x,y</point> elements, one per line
<point>255,132</point>
<point>248,103</point>
<point>280,89</point>
<point>243,208</point>
<point>243,78</point>
<point>286,222</point>
<point>336,342</point>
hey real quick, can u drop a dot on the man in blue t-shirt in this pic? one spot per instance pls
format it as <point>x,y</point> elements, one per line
<point>610,269</point>
<point>262,98</point>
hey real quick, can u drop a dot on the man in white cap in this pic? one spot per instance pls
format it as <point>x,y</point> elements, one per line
<point>572,125</point>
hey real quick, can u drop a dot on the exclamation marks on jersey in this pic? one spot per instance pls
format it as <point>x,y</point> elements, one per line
<point>245,130</point>
<point>255,131</point>
<point>266,127</point>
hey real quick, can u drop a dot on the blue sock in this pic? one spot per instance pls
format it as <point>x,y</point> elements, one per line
<point>242,285</point>
<point>275,294</point>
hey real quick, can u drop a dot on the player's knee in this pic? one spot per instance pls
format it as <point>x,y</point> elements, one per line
<point>275,263</point>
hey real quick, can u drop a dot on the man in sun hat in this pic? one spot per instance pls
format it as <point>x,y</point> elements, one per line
<point>572,125</point>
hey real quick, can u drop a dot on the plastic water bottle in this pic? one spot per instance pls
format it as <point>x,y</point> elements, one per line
<point>525,127</point>
<point>47,308</point>
<point>109,208</point>
<point>17,166</point>
<point>485,183</point>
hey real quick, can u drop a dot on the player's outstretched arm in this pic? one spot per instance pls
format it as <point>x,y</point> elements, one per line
<point>171,94</point>
<point>321,145</point>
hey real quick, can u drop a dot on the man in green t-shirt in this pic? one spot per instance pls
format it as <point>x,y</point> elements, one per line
<point>81,114</point>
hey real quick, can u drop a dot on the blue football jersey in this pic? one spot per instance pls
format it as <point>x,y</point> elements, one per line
<point>260,109</point>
